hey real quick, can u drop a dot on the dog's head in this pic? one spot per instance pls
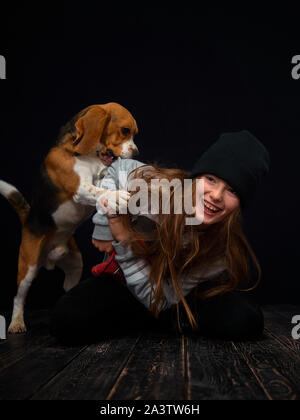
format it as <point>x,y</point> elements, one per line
<point>106,131</point>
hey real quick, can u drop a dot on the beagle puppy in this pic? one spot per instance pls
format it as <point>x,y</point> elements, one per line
<point>66,195</point>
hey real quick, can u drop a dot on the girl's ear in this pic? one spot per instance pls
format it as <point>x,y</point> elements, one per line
<point>89,130</point>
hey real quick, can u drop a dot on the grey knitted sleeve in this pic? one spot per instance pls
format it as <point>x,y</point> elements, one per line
<point>115,179</point>
<point>137,275</point>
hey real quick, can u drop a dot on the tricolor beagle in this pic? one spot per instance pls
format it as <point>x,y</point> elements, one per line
<point>66,195</point>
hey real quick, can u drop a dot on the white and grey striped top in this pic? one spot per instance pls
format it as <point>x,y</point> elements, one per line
<point>135,269</point>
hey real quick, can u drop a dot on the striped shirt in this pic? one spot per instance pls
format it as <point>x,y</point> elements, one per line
<point>136,270</point>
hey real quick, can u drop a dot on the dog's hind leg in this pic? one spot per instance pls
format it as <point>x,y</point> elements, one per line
<point>27,270</point>
<point>72,265</point>
<point>17,324</point>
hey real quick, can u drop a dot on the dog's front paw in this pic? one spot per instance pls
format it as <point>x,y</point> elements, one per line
<point>17,327</point>
<point>114,201</point>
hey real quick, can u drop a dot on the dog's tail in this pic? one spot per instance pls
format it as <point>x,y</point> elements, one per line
<point>16,199</point>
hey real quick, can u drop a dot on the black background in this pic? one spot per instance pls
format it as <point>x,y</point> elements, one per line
<point>187,75</point>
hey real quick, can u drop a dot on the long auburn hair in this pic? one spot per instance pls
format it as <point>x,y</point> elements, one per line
<point>170,255</point>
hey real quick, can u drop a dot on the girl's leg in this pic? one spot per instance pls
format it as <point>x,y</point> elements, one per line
<point>230,316</point>
<point>98,308</point>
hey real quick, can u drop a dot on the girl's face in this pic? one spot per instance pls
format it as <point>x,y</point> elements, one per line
<point>219,199</point>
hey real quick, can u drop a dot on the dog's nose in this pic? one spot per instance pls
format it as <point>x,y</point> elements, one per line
<point>109,153</point>
<point>135,152</point>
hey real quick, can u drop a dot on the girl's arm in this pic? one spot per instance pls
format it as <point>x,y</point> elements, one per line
<point>136,270</point>
<point>115,179</point>
<point>101,230</point>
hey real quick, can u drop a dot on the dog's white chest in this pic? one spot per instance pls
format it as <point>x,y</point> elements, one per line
<point>90,167</point>
<point>71,214</point>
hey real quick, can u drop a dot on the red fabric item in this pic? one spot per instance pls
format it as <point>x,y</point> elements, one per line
<point>111,267</point>
<point>143,242</point>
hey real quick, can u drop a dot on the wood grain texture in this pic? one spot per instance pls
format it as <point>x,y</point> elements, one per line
<point>153,365</point>
<point>18,345</point>
<point>155,370</point>
<point>25,377</point>
<point>277,371</point>
<point>279,326</point>
<point>217,371</point>
<point>95,370</point>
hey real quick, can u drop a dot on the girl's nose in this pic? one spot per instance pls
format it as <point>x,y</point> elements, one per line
<point>216,194</point>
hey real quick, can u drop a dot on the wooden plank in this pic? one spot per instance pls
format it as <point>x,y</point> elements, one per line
<point>154,367</point>
<point>280,328</point>
<point>92,374</point>
<point>33,320</point>
<point>216,371</point>
<point>155,370</point>
<point>25,377</point>
<point>277,371</point>
<point>18,345</point>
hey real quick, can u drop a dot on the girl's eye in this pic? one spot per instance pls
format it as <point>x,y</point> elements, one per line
<point>232,191</point>
<point>210,178</point>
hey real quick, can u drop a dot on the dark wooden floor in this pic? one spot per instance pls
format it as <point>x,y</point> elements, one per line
<point>153,366</point>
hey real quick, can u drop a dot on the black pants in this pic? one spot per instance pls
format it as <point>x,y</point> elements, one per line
<point>100,308</point>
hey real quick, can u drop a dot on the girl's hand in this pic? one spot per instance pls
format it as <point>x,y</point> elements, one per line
<point>103,246</point>
<point>119,232</point>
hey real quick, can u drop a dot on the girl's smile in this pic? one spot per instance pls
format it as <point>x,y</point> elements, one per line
<point>219,199</point>
<point>210,209</point>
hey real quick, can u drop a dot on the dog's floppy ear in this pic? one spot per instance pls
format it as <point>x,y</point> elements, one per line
<point>89,130</point>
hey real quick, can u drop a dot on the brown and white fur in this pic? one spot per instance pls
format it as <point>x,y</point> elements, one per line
<point>66,195</point>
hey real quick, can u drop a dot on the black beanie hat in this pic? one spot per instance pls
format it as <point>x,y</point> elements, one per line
<point>238,158</point>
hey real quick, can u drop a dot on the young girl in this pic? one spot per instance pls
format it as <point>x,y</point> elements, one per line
<point>164,274</point>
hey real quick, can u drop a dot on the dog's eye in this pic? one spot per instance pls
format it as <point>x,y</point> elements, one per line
<point>125,131</point>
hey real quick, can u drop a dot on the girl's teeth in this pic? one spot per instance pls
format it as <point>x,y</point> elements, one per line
<point>211,208</point>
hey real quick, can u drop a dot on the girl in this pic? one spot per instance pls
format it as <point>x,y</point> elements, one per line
<point>164,274</point>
